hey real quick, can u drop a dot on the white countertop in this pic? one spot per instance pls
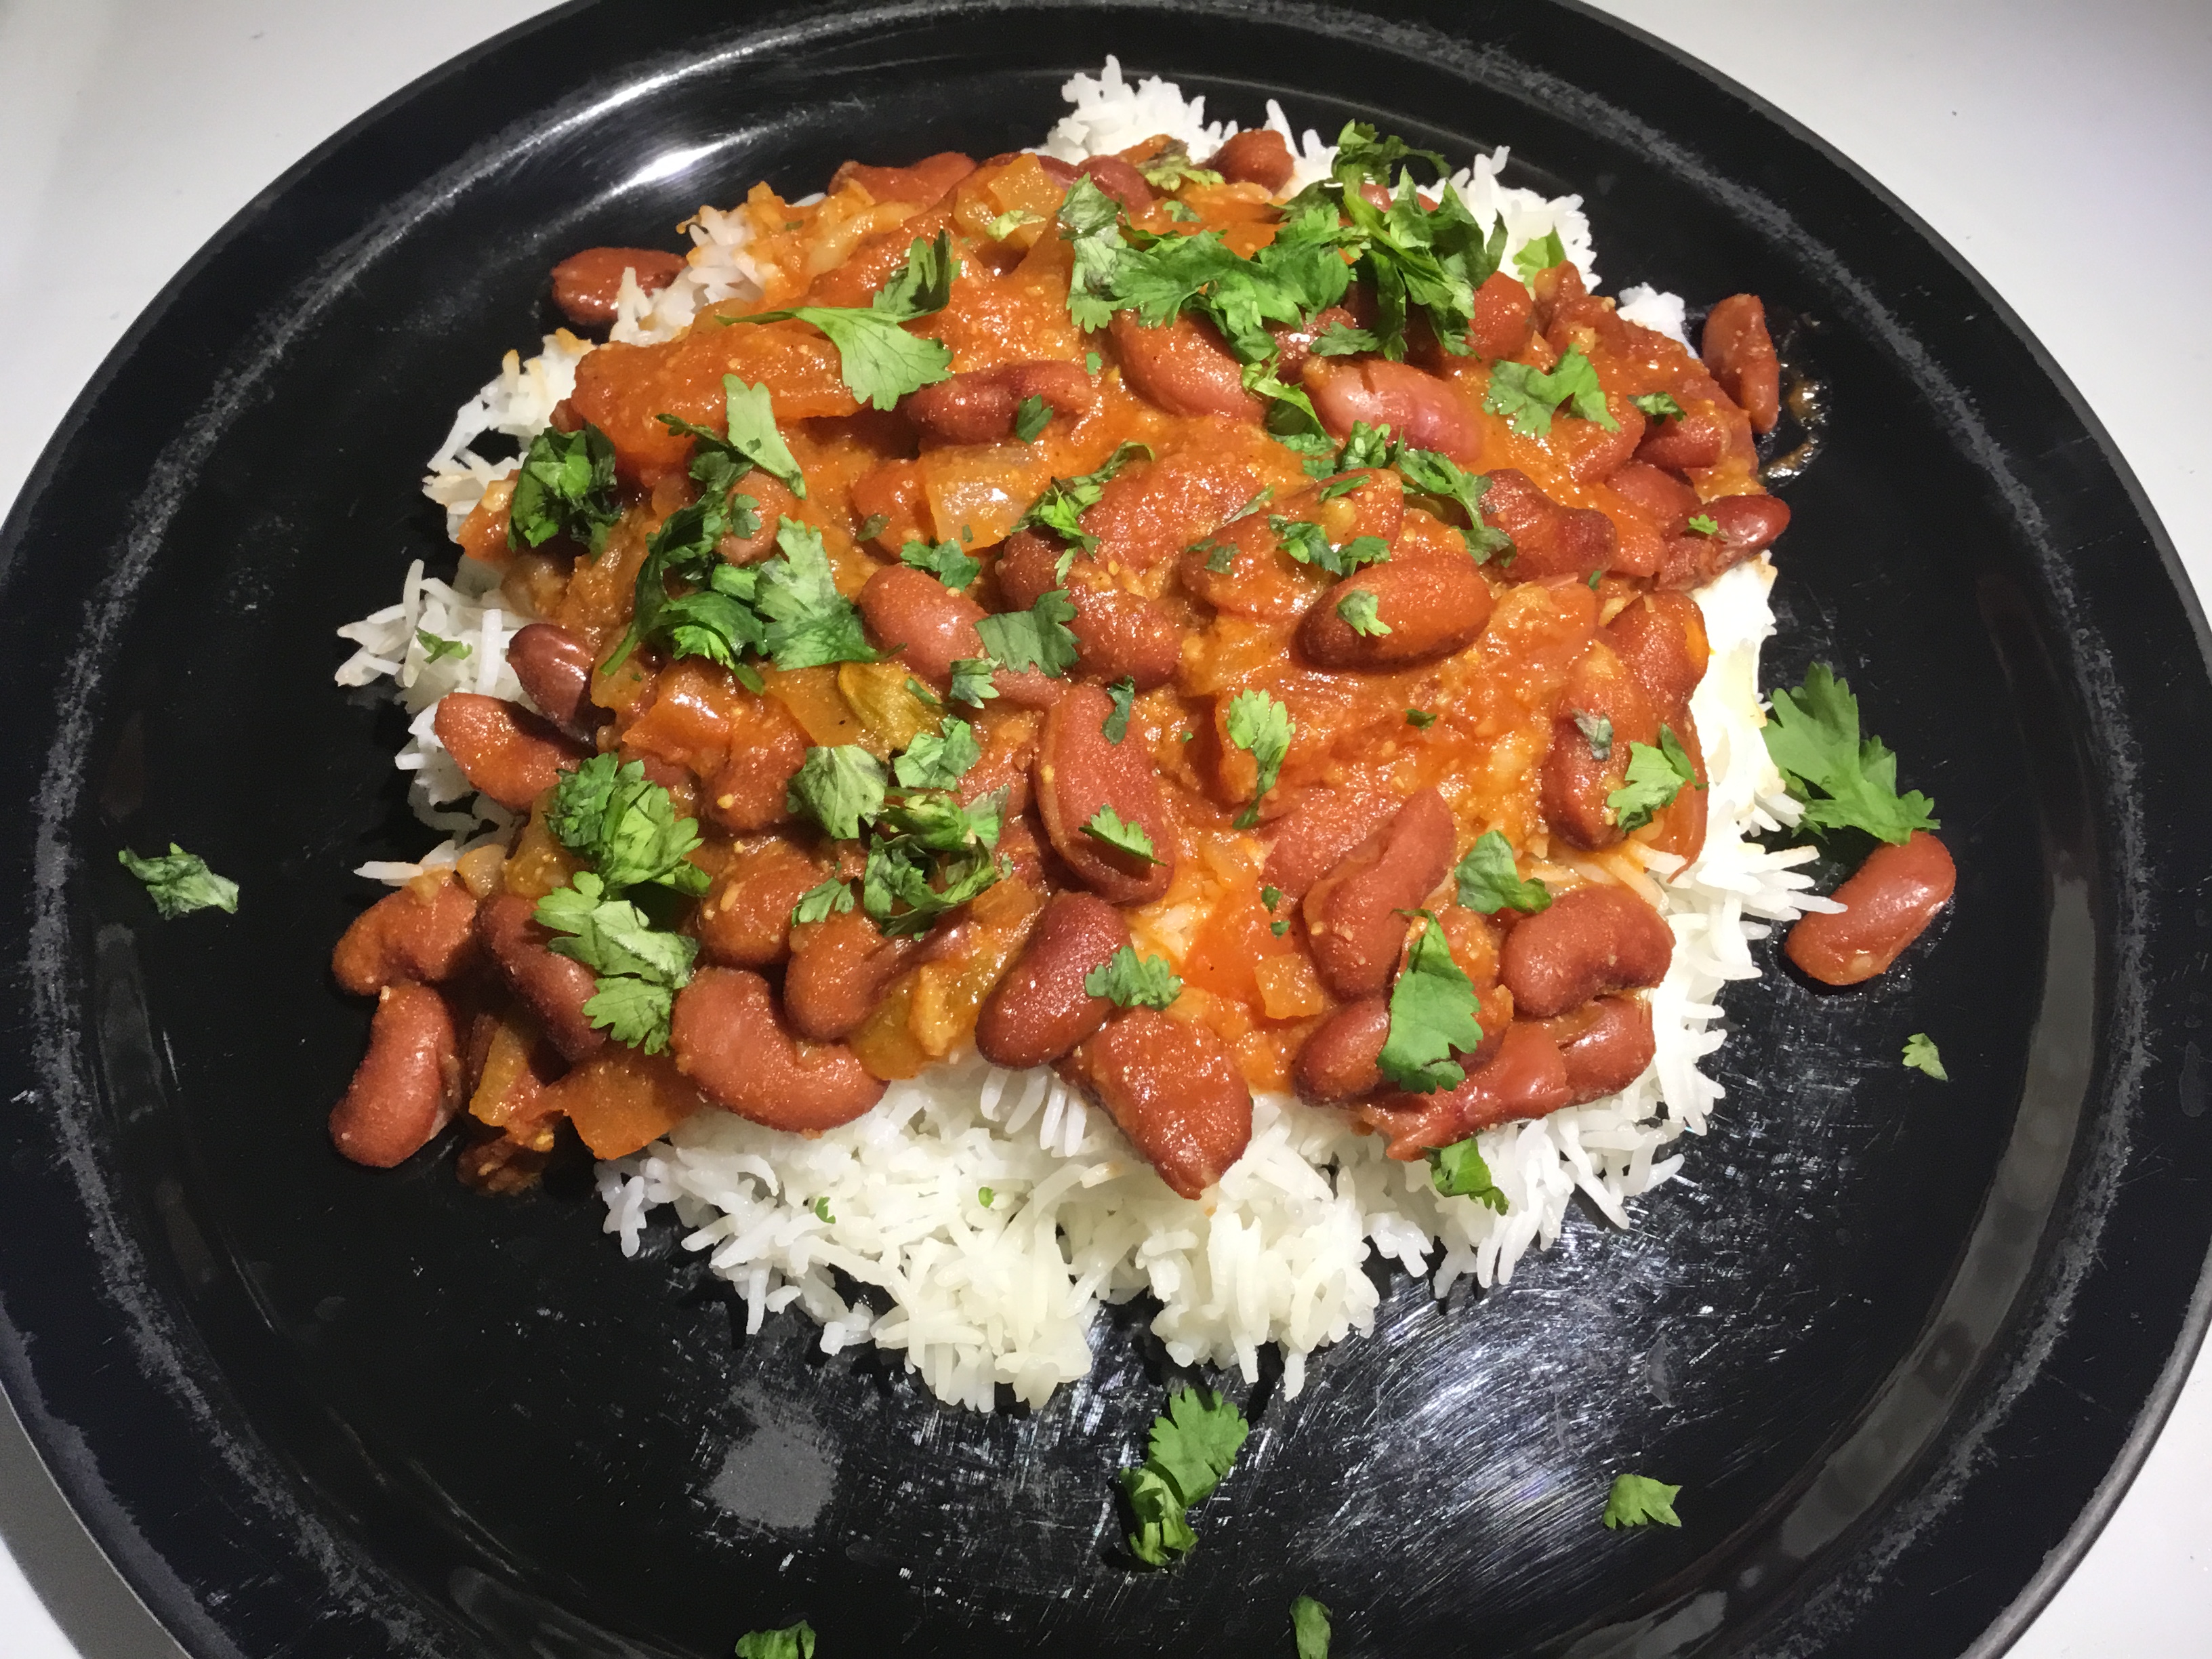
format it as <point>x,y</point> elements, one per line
<point>2049,141</point>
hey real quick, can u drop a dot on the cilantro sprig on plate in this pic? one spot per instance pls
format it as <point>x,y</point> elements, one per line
<point>1847,781</point>
<point>1192,1445</point>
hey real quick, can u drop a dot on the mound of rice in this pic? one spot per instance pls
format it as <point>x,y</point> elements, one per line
<point>985,1215</point>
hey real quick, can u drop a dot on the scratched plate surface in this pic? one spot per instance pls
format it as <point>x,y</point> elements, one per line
<point>1893,1337</point>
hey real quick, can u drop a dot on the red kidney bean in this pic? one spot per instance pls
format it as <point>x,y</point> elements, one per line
<point>729,1038</point>
<point>1260,156</point>
<point>1526,1077</point>
<point>555,668</point>
<point>407,1085</point>
<point>1660,639</point>
<point>1682,823</point>
<point>1119,179</point>
<point>1354,922</point>
<point>1887,903</point>
<point>908,608</point>
<point>502,749</point>
<point>1747,524</point>
<point>1504,311</point>
<point>1737,349</point>
<point>1261,581</point>
<point>1666,499</point>
<point>773,502</point>
<point>1336,1062</point>
<point>1118,635</point>
<point>586,285</point>
<point>1549,539</point>
<point>1040,1011</point>
<point>1574,781</point>
<point>1419,409</point>
<point>557,987</point>
<point>745,919</point>
<point>1313,837</point>
<point>1294,342</point>
<point>1695,438</point>
<point>1592,941</point>
<point>1433,607</point>
<point>1594,453</point>
<point>979,406</point>
<point>840,970</point>
<point>424,932</point>
<point>1605,1044</point>
<point>921,183</point>
<point>750,790</point>
<point>1009,749</point>
<point>1153,510</point>
<point>1174,1090</point>
<point>1078,773</point>
<point>1183,367</point>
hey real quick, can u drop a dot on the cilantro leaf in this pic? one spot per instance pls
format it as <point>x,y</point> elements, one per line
<point>1108,827</point>
<point>1421,719</point>
<point>1920,1054</point>
<point>1261,727</point>
<point>939,759</point>
<point>1541,254</point>
<point>1037,638</point>
<point>1489,880</point>
<point>820,903</point>
<point>791,1641</point>
<point>941,822</point>
<point>639,967</point>
<point>943,560</point>
<point>1362,155</point>
<point>1006,224</point>
<point>1813,739</point>
<point>1655,776</point>
<point>437,649</point>
<point>809,621</point>
<point>971,680</point>
<point>1133,982</point>
<point>1309,543</point>
<point>1171,168</point>
<point>1459,1171</point>
<point>1702,523</point>
<point>838,787</point>
<point>1432,1012</point>
<point>1193,1445</point>
<point>1309,1627</point>
<point>1360,611</point>
<point>1065,499</point>
<point>1116,725</point>
<point>749,439</point>
<point>1637,1500</point>
<point>1433,474</point>
<point>1089,222</point>
<point>1659,406</point>
<point>1529,397</point>
<point>1030,416</point>
<point>565,486</point>
<point>1342,339</point>
<point>880,362</point>
<point>1597,732</point>
<point>626,826</point>
<point>180,883</point>
<point>909,883</point>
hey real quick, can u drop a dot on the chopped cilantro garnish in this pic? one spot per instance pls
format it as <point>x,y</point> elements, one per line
<point>1309,1628</point>
<point>639,967</point>
<point>881,361</point>
<point>1529,397</point>
<point>822,1210</point>
<point>1180,213</point>
<point>1133,982</point>
<point>1920,1054</point>
<point>809,623</point>
<point>1702,524</point>
<point>1813,738</point>
<point>1459,1171</point>
<point>1116,725</point>
<point>1541,254</point>
<point>1172,168</point>
<point>873,526</point>
<point>984,1195</point>
<point>1279,928</point>
<point>1091,362</point>
<point>1261,727</point>
<point>1655,776</point>
<point>1030,416</point>
<point>436,648</point>
<point>752,436</point>
<point>1421,719</point>
<point>1597,732</point>
<point>1360,611</point>
<point>1363,156</point>
<point>626,826</point>
<point>1343,486</point>
<point>1308,544</point>
<point>1489,880</point>
<point>1659,406</point>
<point>1342,339</point>
<point>1271,895</point>
<point>1636,1500</point>
<point>971,681</point>
<point>565,486</point>
<point>791,1641</point>
<point>1089,222</point>
<point>1037,638</point>
<point>1193,1445</point>
<point>936,856</point>
<point>1109,827</point>
<point>1004,224</point>
<point>1430,473</point>
<point>943,560</point>
<point>1432,1012</point>
<point>819,903</point>
<point>180,883</point>
<point>1066,499</point>
<point>838,787</point>
<point>939,759</point>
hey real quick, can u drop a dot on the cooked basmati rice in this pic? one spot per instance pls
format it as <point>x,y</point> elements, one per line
<point>985,1216</point>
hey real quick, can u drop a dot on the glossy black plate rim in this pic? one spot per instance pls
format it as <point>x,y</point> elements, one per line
<point>94,1419</point>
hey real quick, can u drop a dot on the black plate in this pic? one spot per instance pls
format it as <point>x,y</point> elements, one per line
<point>1903,1343</point>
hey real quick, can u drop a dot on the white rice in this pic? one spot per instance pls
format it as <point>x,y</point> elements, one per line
<point>977,1295</point>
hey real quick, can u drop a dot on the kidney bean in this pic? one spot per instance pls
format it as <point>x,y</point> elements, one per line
<point>1887,903</point>
<point>729,1038</point>
<point>425,932</point>
<point>1313,837</point>
<point>1040,1011</point>
<point>555,668</point>
<point>893,493</point>
<point>1009,746</point>
<point>1504,311</point>
<point>1078,773</point>
<point>1433,607</point>
<point>1660,639</point>
<point>979,406</point>
<point>1666,499</point>
<point>1574,782</point>
<point>773,502</point>
<point>1526,1077</point>
<point>1695,438</point>
<point>1605,1044</point>
<point>1260,156</point>
<point>408,1085</point>
<point>1153,510</point>
<point>840,969</point>
<point>921,183</point>
<point>502,749</point>
<point>557,987</point>
<point>1736,348</point>
<point>1294,342</point>
<point>1592,940</point>
<point>1354,924</point>
<point>1174,1090</point>
<point>936,627</point>
<point>1336,1062</point>
<point>1682,822</point>
<point>1747,524</point>
<point>1421,410</point>
<point>1119,179</point>
<point>1118,635</point>
<point>586,285</point>
<point>1594,453</point>
<point>1183,367</point>
<point>1549,539</point>
<point>745,919</point>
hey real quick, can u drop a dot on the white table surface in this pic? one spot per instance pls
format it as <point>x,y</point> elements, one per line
<point>2046,139</point>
